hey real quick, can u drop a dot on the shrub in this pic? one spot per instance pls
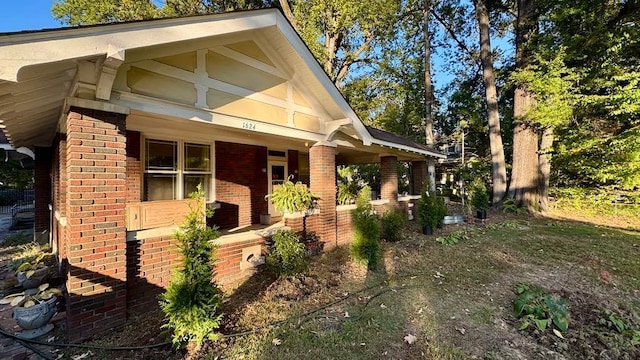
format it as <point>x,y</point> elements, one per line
<point>479,196</point>
<point>365,247</point>
<point>392,222</point>
<point>16,239</point>
<point>286,256</point>
<point>431,210</point>
<point>347,192</point>
<point>292,197</point>
<point>191,303</point>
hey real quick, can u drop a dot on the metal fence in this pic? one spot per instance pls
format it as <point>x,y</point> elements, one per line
<point>14,200</point>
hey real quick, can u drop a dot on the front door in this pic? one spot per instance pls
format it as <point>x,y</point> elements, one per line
<point>277,176</point>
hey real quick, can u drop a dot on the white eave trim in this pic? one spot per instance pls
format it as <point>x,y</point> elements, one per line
<point>302,49</point>
<point>408,149</point>
<point>19,50</point>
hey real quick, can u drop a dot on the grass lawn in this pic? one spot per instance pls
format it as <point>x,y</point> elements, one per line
<point>456,300</point>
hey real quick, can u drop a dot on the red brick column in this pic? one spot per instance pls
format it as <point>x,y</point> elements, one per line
<point>322,163</point>
<point>42,188</point>
<point>96,194</point>
<point>389,180</point>
<point>418,176</point>
<point>60,194</point>
<point>134,166</point>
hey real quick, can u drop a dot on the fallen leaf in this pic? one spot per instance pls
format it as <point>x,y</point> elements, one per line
<point>420,311</point>
<point>383,306</point>
<point>558,333</point>
<point>363,344</point>
<point>410,339</point>
<point>346,314</point>
<point>462,330</point>
<point>83,356</point>
<point>276,341</point>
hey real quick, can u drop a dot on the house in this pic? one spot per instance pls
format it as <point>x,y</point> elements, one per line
<point>126,119</point>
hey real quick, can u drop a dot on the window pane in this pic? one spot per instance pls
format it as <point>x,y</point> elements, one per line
<point>161,155</point>
<point>159,187</point>
<point>197,157</point>
<point>192,181</point>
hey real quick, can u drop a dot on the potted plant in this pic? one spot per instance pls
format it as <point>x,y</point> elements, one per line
<point>431,212</point>
<point>31,274</point>
<point>33,309</point>
<point>480,199</point>
<point>292,198</point>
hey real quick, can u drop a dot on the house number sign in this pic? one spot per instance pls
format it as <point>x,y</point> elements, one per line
<point>248,125</point>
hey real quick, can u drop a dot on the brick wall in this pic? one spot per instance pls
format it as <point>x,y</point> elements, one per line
<point>240,184</point>
<point>134,167</point>
<point>228,261</point>
<point>345,226</point>
<point>389,179</point>
<point>149,265</point>
<point>418,176</point>
<point>322,161</point>
<point>59,179</point>
<point>96,195</point>
<point>42,171</point>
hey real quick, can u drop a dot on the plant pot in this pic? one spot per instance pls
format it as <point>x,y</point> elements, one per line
<point>481,214</point>
<point>34,319</point>
<point>427,230</point>
<point>265,219</point>
<point>38,277</point>
<point>453,219</point>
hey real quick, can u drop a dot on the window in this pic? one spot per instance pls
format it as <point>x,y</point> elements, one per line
<point>173,169</point>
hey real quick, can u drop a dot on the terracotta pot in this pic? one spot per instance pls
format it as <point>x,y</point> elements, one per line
<point>36,316</point>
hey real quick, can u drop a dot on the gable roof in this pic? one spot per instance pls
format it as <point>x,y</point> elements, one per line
<point>39,70</point>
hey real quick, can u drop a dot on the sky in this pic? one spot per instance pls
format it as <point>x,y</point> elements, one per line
<point>26,15</point>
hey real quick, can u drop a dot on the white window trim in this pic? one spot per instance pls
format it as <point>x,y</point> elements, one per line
<point>180,172</point>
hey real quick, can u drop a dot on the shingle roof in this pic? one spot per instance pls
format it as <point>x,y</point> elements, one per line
<point>397,139</point>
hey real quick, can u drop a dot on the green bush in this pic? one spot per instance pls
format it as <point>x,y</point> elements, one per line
<point>392,222</point>
<point>286,256</point>
<point>191,303</point>
<point>365,247</point>
<point>479,196</point>
<point>431,210</point>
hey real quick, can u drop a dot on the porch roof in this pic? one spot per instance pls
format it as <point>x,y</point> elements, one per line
<point>43,73</point>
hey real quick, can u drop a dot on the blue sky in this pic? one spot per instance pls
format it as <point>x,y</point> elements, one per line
<point>26,15</point>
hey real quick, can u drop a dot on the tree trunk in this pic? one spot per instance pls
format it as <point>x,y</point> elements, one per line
<point>544,164</point>
<point>428,91</point>
<point>499,172</point>
<point>286,10</point>
<point>524,179</point>
<point>524,174</point>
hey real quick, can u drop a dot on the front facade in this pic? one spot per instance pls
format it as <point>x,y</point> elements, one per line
<point>125,120</point>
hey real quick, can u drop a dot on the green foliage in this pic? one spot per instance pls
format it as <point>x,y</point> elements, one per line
<point>286,256</point>
<point>509,206</point>
<point>31,253</point>
<point>365,246</point>
<point>83,12</point>
<point>348,185</point>
<point>479,195</point>
<point>16,239</point>
<point>391,223</point>
<point>597,200</point>
<point>191,303</point>
<point>534,306</point>
<point>292,197</point>
<point>452,238</point>
<point>431,210</point>
<point>614,321</point>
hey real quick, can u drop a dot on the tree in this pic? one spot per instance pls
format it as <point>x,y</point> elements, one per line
<point>499,172</point>
<point>83,12</point>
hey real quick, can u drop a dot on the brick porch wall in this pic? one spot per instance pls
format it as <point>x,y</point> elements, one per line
<point>95,231</point>
<point>42,172</point>
<point>389,180</point>
<point>149,266</point>
<point>240,184</point>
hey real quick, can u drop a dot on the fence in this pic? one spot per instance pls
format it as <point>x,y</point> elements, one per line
<point>14,200</point>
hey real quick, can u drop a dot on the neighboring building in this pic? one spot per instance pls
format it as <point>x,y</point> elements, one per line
<point>126,119</point>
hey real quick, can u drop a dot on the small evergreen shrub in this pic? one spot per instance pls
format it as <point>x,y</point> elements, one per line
<point>365,247</point>
<point>479,196</point>
<point>191,303</point>
<point>286,256</point>
<point>392,222</point>
<point>431,210</point>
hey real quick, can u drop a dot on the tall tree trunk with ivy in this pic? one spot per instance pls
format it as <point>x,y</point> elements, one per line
<point>524,175</point>
<point>499,173</point>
